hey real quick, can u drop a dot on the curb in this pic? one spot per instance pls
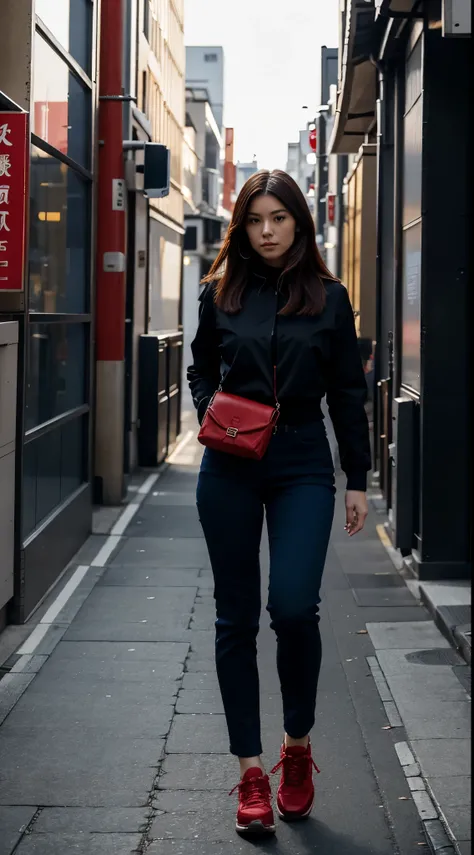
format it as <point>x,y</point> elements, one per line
<point>428,811</point>
<point>453,621</point>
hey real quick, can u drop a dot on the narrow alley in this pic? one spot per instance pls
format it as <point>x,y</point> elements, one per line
<point>113,738</point>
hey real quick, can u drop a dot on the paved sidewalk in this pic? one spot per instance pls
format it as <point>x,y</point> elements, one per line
<point>112,736</point>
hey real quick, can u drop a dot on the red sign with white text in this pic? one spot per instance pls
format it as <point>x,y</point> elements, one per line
<point>331,207</point>
<point>14,162</point>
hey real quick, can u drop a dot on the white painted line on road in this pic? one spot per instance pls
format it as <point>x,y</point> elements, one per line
<point>64,595</point>
<point>124,518</point>
<point>106,550</point>
<point>36,636</point>
<point>29,646</point>
<point>184,442</point>
<point>148,484</point>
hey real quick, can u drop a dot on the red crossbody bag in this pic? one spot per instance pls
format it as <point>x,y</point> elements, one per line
<point>238,426</point>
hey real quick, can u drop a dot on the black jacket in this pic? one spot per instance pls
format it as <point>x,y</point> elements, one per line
<point>315,356</point>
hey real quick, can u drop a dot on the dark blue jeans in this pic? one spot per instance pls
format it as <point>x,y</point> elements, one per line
<point>294,484</point>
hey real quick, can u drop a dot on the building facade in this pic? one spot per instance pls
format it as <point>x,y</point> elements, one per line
<point>50,73</point>
<point>205,70</point>
<point>301,165</point>
<point>404,102</point>
<point>155,232</point>
<point>330,169</point>
<point>228,192</point>
<point>205,217</point>
<point>243,171</point>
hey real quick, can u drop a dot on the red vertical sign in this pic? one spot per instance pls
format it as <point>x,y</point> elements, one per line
<point>331,200</point>
<point>14,160</point>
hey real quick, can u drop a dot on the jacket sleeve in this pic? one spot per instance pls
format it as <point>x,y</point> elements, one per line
<point>346,396</point>
<point>204,374</point>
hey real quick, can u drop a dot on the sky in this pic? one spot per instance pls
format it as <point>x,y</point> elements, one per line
<point>272,56</point>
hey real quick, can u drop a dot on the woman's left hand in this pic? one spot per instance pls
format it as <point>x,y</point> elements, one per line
<point>356,511</point>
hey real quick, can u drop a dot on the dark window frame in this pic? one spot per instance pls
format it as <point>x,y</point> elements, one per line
<point>54,42</point>
<point>82,413</point>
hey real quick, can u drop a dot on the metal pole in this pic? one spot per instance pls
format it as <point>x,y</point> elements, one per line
<point>110,306</point>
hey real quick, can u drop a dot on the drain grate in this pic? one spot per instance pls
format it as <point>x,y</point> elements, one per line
<point>437,656</point>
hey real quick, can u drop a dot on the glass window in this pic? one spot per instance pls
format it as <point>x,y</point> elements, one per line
<point>414,75</point>
<point>59,237</point>
<point>412,179</point>
<point>61,105</point>
<point>411,307</point>
<point>70,21</point>
<point>164,284</point>
<point>29,489</point>
<point>53,468</point>
<point>48,478</point>
<point>56,375</point>
<point>72,456</point>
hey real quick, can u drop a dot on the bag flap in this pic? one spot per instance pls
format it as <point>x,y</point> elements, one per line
<point>230,411</point>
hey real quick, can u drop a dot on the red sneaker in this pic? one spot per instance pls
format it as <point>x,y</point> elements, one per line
<point>296,791</point>
<point>255,814</point>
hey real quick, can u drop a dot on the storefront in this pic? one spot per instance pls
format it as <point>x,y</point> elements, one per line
<point>417,68</point>
<point>358,239</point>
<point>54,310</point>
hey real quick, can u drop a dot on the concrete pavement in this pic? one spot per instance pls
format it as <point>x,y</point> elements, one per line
<point>112,736</point>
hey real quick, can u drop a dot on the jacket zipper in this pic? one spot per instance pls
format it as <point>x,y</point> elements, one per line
<point>273,350</point>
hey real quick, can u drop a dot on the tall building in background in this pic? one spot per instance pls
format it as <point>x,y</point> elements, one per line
<point>228,197</point>
<point>330,169</point>
<point>300,164</point>
<point>205,70</point>
<point>328,176</point>
<point>243,171</point>
<point>293,161</point>
<point>205,217</point>
<point>154,76</point>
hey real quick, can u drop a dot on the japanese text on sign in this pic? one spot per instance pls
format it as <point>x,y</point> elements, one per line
<point>13,196</point>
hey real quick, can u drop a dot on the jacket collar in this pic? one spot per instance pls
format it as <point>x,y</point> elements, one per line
<point>264,273</point>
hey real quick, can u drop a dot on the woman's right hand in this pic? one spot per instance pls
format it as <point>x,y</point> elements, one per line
<point>357,511</point>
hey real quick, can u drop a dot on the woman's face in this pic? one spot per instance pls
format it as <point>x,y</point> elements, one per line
<point>270,229</point>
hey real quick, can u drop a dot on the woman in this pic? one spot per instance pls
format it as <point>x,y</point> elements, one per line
<point>270,301</point>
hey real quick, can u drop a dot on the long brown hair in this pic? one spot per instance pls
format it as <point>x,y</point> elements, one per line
<point>304,269</point>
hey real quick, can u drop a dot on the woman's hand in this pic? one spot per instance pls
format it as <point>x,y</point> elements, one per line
<point>356,511</point>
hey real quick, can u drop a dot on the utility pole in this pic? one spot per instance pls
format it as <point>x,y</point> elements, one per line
<point>110,298</point>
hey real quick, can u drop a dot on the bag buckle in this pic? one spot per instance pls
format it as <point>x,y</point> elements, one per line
<point>232,432</point>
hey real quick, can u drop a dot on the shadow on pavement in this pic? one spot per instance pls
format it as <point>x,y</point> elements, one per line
<point>314,838</point>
